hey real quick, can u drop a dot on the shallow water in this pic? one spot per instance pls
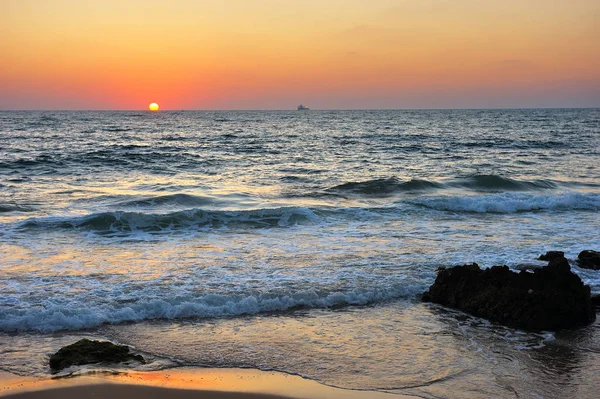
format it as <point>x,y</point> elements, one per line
<point>293,241</point>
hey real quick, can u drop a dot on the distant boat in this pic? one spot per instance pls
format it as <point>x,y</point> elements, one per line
<point>303,108</point>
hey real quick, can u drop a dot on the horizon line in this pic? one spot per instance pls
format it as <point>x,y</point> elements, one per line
<point>288,109</point>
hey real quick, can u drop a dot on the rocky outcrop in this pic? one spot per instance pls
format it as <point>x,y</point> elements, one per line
<point>86,351</point>
<point>550,298</point>
<point>548,256</point>
<point>589,260</point>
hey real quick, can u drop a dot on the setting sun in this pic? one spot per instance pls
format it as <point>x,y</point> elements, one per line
<point>153,107</point>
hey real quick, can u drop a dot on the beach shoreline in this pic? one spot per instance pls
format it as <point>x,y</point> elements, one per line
<point>178,383</point>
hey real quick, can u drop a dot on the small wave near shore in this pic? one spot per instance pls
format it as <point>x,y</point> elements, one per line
<point>72,316</point>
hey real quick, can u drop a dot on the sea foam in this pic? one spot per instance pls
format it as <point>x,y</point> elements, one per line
<point>511,202</point>
<point>75,316</point>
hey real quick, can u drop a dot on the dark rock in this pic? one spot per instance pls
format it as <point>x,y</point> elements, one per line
<point>528,267</point>
<point>548,256</point>
<point>596,301</point>
<point>589,260</point>
<point>550,298</point>
<point>87,352</point>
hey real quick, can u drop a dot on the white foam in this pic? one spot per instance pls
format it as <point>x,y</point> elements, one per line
<point>512,202</point>
<point>69,316</point>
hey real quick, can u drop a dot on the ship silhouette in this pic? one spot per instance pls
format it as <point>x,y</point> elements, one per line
<point>302,108</point>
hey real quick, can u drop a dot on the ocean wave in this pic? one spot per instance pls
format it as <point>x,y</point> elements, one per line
<point>481,183</point>
<point>170,199</point>
<point>5,208</point>
<point>120,221</point>
<point>141,156</point>
<point>130,222</point>
<point>511,202</point>
<point>116,129</point>
<point>55,317</point>
<point>21,163</point>
<point>384,186</point>
<point>500,183</point>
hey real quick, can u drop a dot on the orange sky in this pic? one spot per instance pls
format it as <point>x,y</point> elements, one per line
<point>268,54</point>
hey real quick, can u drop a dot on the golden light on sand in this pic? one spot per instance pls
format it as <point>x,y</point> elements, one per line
<point>153,107</point>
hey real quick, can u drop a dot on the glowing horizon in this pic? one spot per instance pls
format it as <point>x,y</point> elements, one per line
<point>268,54</point>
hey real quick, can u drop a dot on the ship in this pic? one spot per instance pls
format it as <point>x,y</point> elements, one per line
<point>303,108</point>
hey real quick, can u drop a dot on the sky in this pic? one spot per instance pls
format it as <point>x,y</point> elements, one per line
<point>275,54</point>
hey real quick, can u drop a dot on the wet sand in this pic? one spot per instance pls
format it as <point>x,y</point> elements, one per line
<point>117,391</point>
<point>182,383</point>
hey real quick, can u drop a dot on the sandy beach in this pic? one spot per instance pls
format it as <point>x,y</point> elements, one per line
<point>180,383</point>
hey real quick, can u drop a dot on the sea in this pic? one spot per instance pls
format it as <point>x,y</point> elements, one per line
<point>293,241</point>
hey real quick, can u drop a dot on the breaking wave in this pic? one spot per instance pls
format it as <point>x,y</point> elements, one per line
<point>57,317</point>
<point>120,221</point>
<point>511,203</point>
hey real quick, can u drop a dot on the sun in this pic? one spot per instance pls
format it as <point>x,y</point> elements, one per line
<point>153,107</point>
